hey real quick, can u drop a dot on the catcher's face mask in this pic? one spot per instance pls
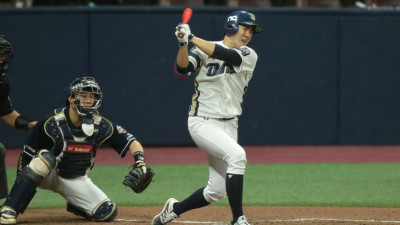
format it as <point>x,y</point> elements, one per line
<point>87,97</point>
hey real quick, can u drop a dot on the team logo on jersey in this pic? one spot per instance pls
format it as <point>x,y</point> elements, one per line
<point>79,149</point>
<point>121,130</point>
<point>245,51</point>
<point>214,69</point>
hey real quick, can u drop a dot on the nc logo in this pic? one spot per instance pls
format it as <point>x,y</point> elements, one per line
<point>232,18</point>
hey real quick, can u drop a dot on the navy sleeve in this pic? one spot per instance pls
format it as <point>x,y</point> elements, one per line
<point>37,140</point>
<point>120,139</point>
<point>190,68</point>
<point>227,55</point>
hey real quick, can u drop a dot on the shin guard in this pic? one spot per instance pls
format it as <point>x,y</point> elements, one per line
<point>23,190</point>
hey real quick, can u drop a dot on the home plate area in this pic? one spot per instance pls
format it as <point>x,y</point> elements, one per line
<point>220,215</point>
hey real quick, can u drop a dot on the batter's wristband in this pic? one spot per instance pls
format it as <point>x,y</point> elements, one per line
<point>21,122</point>
<point>183,44</point>
<point>138,156</point>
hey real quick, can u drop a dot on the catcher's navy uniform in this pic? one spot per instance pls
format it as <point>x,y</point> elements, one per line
<point>61,151</point>
<point>75,155</point>
<point>74,152</point>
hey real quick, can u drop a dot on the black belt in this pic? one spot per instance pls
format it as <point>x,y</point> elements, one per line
<point>222,119</point>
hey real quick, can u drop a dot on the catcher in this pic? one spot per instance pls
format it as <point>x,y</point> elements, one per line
<point>60,152</point>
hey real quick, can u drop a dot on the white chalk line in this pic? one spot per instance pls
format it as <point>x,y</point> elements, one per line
<point>332,219</point>
<point>274,221</point>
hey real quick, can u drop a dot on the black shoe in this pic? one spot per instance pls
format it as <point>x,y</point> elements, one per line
<point>76,211</point>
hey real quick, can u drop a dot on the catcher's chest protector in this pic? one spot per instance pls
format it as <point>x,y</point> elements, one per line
<point>75,155</point>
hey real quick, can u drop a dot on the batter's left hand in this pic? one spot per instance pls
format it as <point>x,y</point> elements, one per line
<point>183,34</point>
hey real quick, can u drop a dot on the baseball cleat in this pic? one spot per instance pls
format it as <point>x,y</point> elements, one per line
<point>241,221</point>
<point>166,215</point>
<point>8,215</point>
<point>72,209</point>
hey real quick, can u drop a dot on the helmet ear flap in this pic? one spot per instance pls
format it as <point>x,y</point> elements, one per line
<point>231,27</point>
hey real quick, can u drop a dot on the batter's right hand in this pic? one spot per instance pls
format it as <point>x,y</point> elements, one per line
<point>182,33</point>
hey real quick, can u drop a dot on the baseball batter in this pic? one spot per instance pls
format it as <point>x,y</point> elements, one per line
<point>7,114</point>
<point>222,73</point>
<point>60,152</point>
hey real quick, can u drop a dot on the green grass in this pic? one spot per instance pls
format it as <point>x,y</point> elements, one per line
<point>361,185</point>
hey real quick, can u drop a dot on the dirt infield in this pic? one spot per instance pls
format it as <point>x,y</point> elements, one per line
<point>219,215</point>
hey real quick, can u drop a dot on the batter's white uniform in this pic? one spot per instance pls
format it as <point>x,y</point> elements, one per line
<point>213,114</point>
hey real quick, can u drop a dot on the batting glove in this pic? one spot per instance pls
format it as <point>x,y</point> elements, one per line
<point>183,34</point>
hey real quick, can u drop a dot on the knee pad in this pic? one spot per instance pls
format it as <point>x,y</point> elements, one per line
<point>106,211</point>
<point>43,163</point>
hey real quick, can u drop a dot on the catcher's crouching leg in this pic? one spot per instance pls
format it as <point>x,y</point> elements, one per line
<point>105,212</point>
<point>27,181</point>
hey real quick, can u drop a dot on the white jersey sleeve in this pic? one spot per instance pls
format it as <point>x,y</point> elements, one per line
<point>249,59</point>
<point>220,86</point>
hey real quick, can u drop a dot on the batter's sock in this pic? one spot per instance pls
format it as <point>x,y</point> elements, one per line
<point>234,190</point>
<point>194,201</point>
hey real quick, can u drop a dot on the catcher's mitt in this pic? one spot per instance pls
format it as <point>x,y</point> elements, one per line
<point>139,177</point>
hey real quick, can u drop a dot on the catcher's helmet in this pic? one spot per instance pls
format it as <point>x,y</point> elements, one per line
<point>240,17</point>
<point>6,51</point>
<point>86,85</point>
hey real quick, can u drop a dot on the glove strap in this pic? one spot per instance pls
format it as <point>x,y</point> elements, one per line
<point>138,156</point>
<point>183,44</point>
<point>191,36</point>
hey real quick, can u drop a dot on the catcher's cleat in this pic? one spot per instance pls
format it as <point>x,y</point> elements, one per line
<point>76,211</point>
<point>241,221</point>
<point>166,215</point>
<point>8,215</point>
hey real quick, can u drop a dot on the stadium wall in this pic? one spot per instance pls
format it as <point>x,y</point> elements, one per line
<point>323,77</point>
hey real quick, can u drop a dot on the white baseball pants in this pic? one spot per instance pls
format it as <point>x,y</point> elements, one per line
<point>219,139</point>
